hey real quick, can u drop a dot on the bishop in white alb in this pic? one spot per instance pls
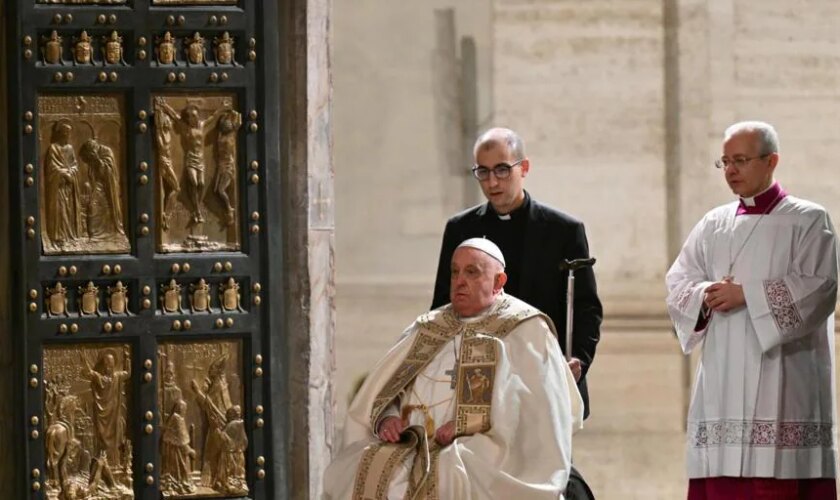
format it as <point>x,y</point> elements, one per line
<point>763,402</point>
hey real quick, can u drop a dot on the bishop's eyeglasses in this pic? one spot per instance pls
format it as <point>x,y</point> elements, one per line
<point>500,171</point>
<point>737,162</point>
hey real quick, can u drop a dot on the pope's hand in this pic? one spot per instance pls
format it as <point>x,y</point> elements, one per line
<point>577,369</point>
<point>390,429</point>
<point>725,295</point>
<point>445,433</point>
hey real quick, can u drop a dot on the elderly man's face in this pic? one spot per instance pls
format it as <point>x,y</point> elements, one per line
<point>475,280</point>
<point>504,194</point>
<point>757,173</point>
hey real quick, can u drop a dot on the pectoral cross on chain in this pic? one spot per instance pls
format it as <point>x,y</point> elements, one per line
<point>453,375</point>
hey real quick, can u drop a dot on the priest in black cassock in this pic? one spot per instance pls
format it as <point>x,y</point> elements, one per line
<point>535,240</point>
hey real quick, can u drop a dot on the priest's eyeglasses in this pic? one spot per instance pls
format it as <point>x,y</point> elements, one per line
<point>500,171</point>
<point>738,163</point>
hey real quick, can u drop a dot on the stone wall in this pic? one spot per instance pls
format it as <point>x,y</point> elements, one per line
<point>583,83</point>
<point>622,105</point>
<point>394,154</point>
<point>773,60</point>
<point>586,84</point>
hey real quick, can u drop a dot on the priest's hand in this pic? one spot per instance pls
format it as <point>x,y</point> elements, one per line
<point>577,369</point>
<point>725,295</point>
<point>390,429</point>
<point>445,433</point>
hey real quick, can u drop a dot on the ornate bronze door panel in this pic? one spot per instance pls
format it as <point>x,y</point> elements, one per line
<point>137,194</point>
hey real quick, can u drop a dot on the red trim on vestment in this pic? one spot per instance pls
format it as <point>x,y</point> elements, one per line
<point>749,488</point>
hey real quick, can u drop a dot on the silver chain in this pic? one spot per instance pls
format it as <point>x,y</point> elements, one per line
<point>738,253</point>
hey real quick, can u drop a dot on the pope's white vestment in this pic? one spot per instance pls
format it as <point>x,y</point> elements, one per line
<point>515,405</point>
<point>763,402</point>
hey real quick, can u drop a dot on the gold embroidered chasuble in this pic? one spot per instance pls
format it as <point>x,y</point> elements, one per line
<point>484,353</point>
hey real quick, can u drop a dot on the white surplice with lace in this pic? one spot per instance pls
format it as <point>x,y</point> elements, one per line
<point>763,403</point>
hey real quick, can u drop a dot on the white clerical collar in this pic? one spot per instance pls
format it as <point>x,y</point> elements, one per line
<point>526,201</point>
<point>749,201</point>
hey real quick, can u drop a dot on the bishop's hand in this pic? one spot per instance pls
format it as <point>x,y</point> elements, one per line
<point>725,295</point>
<point>390,429</point>
<point>445,433</point>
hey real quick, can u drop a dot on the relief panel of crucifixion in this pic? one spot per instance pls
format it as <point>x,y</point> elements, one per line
<point>197,186</point>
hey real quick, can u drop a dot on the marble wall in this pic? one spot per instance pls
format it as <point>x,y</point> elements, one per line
<point>621,103</point>
<point>394,154</point>
<point>582,82</point>
<point>776,61</point>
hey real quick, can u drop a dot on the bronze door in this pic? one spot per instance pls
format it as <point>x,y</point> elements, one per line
<point>137,173</point>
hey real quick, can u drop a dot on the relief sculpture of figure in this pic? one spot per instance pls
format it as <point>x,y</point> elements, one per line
<point>55,391</point>
<point>229,123</point>
<point>61,172</point>
<point>109,404</point>
<point>66,457</point>
<point>176,453</point>
<point>213,397</point>
<point>170,187</point>
<point>60,440</point>
<point>231,478</point>
<point>193,131</point>
<point>104,214</point>
<point>171,392</point>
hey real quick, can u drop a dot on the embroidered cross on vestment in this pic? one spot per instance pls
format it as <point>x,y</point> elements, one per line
<point>453,375</point>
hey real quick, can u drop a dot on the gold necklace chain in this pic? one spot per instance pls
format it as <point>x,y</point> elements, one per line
<point>429,421</point>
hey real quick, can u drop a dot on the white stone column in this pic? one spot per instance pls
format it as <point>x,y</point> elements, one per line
<point>321,242</point>
<point>305,338</point>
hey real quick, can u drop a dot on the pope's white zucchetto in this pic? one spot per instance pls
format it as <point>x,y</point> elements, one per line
<point>485,246</point>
